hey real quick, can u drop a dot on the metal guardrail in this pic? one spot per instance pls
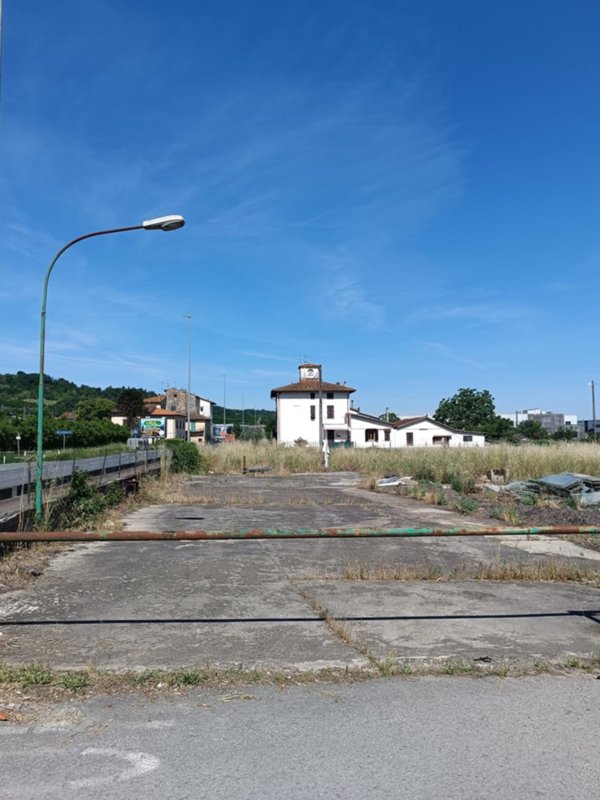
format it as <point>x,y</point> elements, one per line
<point>17,481</point>
<point>287,533</point>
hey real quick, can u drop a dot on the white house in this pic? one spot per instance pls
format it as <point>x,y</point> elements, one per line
<point>427,432</point>
<point>369,431</point>
<point>310,405</point>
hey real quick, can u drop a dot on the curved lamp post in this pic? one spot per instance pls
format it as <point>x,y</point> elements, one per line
<point>169,223</point>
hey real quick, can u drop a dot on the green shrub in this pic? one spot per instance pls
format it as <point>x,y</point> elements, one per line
<point>186,457</point>
<point>465,506</point>
<point>82,504</point>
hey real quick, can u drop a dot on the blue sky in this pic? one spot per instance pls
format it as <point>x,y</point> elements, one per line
<point>407,193</point>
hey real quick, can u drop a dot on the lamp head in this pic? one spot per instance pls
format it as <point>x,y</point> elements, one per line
<point>170,223</point>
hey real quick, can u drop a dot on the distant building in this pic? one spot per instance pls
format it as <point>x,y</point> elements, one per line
<point>164,424</point>
<point>176,401</point>
<point>585,429</point>
<point>549,420</point>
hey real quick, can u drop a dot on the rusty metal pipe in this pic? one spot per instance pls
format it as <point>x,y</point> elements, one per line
<point>287,533</point>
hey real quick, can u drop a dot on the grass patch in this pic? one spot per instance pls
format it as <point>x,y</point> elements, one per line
<point>45,685</point>
<point>76,681</point>
<point>466,506</point>
<point>29,675</point>
<point>556,571</point>
<point>461,467</point>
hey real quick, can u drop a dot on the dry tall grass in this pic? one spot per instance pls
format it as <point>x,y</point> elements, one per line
<point>441,465</point>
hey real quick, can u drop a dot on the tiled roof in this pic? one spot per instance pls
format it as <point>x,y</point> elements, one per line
<point>401,423</point>
<point>163,412</point>
<point>312,385</point>
<point>405,423</point>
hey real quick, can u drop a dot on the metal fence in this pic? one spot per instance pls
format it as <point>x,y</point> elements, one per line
<point>17,481</point>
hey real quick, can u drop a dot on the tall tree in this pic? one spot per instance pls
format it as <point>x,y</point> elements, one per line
<point>94,408</point>
<point>131,404</point>
<point>468,409</point>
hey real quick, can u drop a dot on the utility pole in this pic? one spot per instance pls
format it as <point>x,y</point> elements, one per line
<point>320,407</point>
<point>224,399</point>
<point>189,385</point>
<point>595,435</point>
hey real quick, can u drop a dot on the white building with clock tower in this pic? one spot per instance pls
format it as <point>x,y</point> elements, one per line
<point>312,409</point>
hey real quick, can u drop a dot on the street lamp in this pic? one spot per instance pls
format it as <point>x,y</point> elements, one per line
<point>189,389</point>
<point>169,223</point>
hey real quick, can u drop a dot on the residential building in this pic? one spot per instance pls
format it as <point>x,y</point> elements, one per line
<point>312,405</point>
<point>423,431</point>
<point>200,411</point>
<point>164,424</point>
<point>369,431</point>
<point>427,432</point>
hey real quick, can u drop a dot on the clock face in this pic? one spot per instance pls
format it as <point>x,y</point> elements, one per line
<point>310,373</point>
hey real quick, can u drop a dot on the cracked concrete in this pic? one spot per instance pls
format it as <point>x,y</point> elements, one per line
<point>146,605</point>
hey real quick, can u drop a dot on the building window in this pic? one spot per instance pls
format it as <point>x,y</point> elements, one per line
<point>371,435</point>
<point>312,395</point>
<point>313,412</point>
<point>442,441</point>
<point>330,395</point>
<point>386,436</point>
<point>329,412</point>
<point>467,437</point>
<point>410,439</point>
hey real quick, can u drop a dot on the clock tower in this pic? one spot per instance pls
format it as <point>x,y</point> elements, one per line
<point>310,372</point>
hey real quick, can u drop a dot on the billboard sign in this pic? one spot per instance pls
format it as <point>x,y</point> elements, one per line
<point>153,426</point>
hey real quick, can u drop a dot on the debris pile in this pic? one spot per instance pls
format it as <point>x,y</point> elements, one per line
<point>583,488</point>
<point>395,480</point>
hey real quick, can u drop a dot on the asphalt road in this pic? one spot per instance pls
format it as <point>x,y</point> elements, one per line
<point>452,738</point>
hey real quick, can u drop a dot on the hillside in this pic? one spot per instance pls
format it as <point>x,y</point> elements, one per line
<point>18,394</point>
<point>18,398</point>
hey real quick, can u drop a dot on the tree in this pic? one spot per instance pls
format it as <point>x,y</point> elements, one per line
<point>564,434</point>
<point>95,408</point>
<point>131,404</point>
<point>389,416</point>
<point>499,428</point>
<point>532,429</point>
<point>468,409</point>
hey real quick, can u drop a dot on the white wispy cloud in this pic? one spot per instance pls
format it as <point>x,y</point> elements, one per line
<point>480,313</point>
<point>265,356</point>
<point>343,296</point>
<point>448,352</point>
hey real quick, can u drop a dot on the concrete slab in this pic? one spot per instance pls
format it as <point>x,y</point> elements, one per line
<point>514,622</point>
<point>159,606</point>
<point>172,605</point>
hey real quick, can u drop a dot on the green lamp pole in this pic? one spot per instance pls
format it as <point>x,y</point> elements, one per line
<point>169,223</point>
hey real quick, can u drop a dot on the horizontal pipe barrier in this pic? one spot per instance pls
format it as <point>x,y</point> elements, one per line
<point>286,533</point>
